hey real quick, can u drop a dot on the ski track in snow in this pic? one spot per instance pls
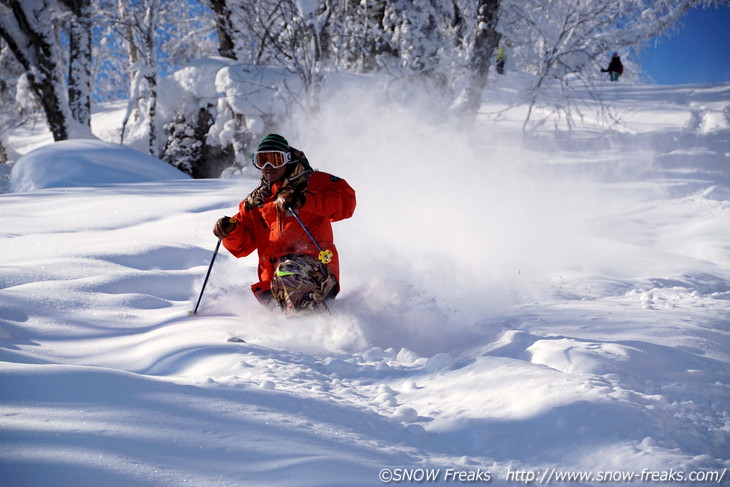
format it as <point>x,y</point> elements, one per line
<point>578,321</point>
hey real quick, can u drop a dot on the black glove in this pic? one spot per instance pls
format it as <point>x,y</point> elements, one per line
<point>224,226</point>
<point>290,198</point>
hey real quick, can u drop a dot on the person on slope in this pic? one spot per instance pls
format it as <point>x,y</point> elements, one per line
<point>501,59</point>
<point>292,272</point>
<point>615,68</point>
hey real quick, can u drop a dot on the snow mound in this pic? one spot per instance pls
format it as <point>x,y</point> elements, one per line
<point>86,163</point>
<point>559,305</point>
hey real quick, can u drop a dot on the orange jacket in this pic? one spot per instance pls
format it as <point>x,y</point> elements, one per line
<point>273,234</point>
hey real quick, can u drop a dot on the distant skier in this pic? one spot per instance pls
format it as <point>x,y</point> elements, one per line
<point>615,68</point>
<point>292,270</point>
<point>501,59</point>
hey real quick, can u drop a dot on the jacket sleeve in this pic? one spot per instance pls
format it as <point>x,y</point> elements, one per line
<point>330,197</point>
<point>242,240</point>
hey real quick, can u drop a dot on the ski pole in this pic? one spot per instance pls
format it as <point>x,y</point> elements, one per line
<point>325,256</point>
<point>210,267</point>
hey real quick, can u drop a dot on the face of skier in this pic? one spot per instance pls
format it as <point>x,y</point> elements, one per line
<point>273,174</point>
<point>273,163</point>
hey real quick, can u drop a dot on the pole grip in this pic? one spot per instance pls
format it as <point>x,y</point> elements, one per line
<point>325,255</point>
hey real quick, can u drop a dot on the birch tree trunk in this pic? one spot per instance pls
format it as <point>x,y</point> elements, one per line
<point>133,58</point>
<point>80,57</point>
<point>150,74</point>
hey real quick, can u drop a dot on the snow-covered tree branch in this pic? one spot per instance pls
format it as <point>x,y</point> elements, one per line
<point>75,52</point>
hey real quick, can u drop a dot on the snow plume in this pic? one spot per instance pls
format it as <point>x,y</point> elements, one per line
<point>453,220</point>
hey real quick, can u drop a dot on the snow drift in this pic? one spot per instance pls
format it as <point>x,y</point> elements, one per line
<point>73,163</point>
<point>552,308</point>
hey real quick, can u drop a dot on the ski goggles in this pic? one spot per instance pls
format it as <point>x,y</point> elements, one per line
<point>273,158</point>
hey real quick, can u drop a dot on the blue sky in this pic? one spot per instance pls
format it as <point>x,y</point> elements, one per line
<point>698,53</point>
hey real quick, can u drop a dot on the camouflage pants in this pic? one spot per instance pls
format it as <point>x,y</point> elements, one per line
<point>303,283</point>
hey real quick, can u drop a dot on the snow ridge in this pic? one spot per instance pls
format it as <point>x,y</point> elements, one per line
<point>511,308</point>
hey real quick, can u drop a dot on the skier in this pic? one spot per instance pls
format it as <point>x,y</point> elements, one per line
<point>615,68</point>
<point>292,270</point>
<point>501,59</point>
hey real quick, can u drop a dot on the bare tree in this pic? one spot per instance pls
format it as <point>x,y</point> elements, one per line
<point>486,39</point>
<point>30,34</point>
<point>80,58</point>
<point>224,28</point>
<point>10,71</point>
<point>150,72</point>
<point>561,41</point>
<point>140,25</point>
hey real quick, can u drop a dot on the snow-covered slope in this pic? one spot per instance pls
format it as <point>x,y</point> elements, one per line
<point>510,312</point>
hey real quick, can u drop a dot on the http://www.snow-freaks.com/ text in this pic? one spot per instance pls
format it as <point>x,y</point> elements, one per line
<point>547,476</point>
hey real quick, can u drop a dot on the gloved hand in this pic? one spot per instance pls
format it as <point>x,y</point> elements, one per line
<point>224,226</point>
<point>290,197</point>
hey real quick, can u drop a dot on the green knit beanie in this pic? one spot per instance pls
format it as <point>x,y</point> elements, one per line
<point>274,142</point>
